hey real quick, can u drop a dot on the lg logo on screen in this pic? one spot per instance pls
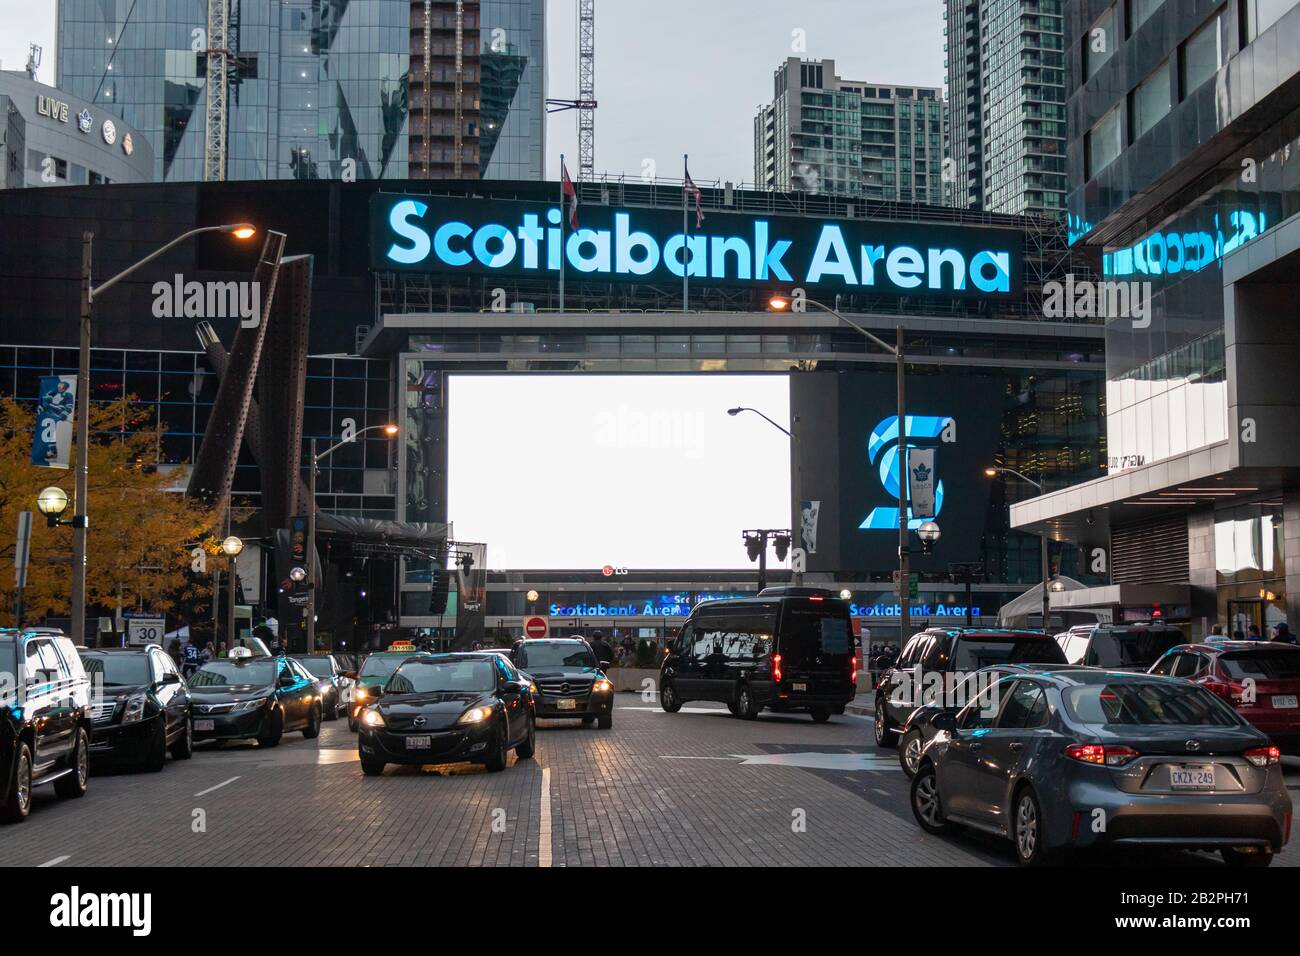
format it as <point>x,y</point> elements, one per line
<point>609,571</point>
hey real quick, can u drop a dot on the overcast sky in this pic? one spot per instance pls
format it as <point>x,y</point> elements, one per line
<point>672,76</point>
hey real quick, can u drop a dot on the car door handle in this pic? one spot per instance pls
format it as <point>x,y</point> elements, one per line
<point>1017,746</point>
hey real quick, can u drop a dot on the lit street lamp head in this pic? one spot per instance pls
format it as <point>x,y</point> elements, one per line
<point>779,303</point>
<point>991,472</point>
<point>232,545</point>
<point>532,596</point>
<point>242,230</point>
<point>52,501</point>
<point>298,574</point>
<point>929,532</point>
<point>390,430</point>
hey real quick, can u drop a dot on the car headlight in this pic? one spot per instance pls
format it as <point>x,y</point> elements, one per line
<point>601,686</point>
<point>134,708</point>
<point>372,718</point>
<point>253,704</point>
<point>532,688</point>
<point>362,692</point>
<point>475,715</point>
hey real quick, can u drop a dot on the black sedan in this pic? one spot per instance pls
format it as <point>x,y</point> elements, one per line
<point>335,685</point>
<point>259,698</point>
<point>448,708</point>
<point>140,706</point>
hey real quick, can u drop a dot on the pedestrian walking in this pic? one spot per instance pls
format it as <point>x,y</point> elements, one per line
<point>604,652</point>
<point>190,658</point>
<point>1253,634</point>
<point>1282,634</point>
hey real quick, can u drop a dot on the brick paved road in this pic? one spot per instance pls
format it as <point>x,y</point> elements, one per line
<point>697,787</point>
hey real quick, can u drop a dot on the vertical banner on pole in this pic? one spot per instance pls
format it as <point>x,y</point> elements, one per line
<point>809,512</point>
<point>52,441</point>
<point>920,481</point>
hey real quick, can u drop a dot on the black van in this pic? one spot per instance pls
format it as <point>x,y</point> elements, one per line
<point>787,649</point>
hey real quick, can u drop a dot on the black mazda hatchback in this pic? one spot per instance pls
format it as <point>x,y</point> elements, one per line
<point>449,708</point>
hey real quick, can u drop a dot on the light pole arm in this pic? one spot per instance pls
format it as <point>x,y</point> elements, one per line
<point>784,430</point>
<point>1026,478</point>
<point>105,286</point>
<point>347,441</point>
<point>849,322</point>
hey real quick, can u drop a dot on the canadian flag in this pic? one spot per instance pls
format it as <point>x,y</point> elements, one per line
<point>570,194</point>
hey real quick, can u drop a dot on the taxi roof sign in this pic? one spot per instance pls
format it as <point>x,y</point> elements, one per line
<point>402,646</point>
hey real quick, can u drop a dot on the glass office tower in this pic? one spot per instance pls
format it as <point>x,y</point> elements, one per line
<point>313,84</point>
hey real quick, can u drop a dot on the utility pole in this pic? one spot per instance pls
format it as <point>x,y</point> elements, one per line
<point>904,555</point>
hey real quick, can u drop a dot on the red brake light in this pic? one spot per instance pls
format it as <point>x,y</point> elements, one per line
<point>853,677</point>
<point>776,668</point>
<point>1108,755</point>
<point>816,597</point>
<point>1264,756</point>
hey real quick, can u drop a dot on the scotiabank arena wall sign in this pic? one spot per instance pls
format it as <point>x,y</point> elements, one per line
<point>521,239</point>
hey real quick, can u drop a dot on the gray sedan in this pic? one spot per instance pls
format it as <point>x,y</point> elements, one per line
<point>1085,758</point>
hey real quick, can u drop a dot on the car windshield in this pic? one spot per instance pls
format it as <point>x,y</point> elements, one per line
<point>221,673</point>
<point>1268,664</point>
<point>974,652</point>
<point>380,665</point>
<point>431,677</point>
<point>1131,648</point>
<point>124,669</point>
<point>555,655</point>
<point>319,666</point>
<point>1147,703</point>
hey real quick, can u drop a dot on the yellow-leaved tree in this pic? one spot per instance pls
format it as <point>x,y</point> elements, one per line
<point>140,534</point>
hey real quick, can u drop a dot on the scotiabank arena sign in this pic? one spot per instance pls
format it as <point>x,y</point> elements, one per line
<point>522,239</point>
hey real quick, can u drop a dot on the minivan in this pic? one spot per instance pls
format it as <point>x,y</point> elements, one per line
<point>788,649</point>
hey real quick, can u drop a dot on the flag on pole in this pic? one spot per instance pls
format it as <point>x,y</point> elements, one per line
<point>570,193</point>
<point>694,190</point>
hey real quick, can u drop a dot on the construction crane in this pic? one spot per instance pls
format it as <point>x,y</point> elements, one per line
<point>218,55</point>
<point>585,104</point>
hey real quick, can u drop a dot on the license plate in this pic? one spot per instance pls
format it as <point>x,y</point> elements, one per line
<point>204,724</point>
<point>423,742</point>
<point>1284,700</point>
<point>1191,777</point>
<point>799,686</point>
<point>566,703</point>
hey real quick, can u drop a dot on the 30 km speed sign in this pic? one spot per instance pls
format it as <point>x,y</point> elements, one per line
<point>145,630</point>
<point>536,626</point>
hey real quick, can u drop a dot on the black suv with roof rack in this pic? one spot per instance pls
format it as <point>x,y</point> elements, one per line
<point>788,649</point>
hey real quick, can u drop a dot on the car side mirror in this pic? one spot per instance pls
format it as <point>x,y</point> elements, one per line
<point>170,677</point>
<point>944,721</point>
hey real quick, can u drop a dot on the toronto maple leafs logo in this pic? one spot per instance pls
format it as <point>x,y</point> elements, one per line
<point>921,474</point>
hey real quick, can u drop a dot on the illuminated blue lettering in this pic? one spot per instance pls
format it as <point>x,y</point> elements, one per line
<point>419,239</point>
<point>494,260</point>
<point>554,245</point>
<point>598,240</point>
<point>674,254</point>
<point>1000,262</point>
<point>937,258</point>
<point>902,267</point>
<point>718,259</point>
<point>831,243</point>
<point>625,241</point>
<point>769,261</point>
<point>531,234</point>
<point>442,243</point>
<point>870,256</point>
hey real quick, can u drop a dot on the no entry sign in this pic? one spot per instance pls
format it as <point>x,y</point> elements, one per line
<point>536,627</point>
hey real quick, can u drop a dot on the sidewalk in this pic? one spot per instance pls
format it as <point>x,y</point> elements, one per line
<point>864,704</point>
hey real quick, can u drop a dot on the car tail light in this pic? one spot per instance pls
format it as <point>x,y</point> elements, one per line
<point>1074,825</point>
<point>1108,755</point>
<point>816,597</point>
<point>1264,756</point>
<point>776,668</point>
<point>853,676</point>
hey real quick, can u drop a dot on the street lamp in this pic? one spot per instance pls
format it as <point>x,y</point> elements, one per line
<point>231,546</point>
<point>846,594</point>
<point>297,574</point>
<point>89,293</point>
<point>993,471</point>
<point>796,490</point>
<point>929,534</point>
<point>315,459</point>
<point>779,304</point>
<point>52,502</point>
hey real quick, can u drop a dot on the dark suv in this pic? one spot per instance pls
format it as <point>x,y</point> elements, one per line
<point>44,721</point>
<point>570,682</point>
<point>1120,647</point>
<point>140,706</point>
<point>940,657</point>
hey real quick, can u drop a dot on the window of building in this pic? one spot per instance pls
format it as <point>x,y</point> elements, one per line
<point>1201,56</point>
<point>1262,14</point>
<point>1139,12</point>
<point>1103,143</point>
<point>1099,43</point>
<point>1149,102</point>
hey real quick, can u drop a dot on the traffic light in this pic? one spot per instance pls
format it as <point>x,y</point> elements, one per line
<point>754,546</point>
<point>781,544</point>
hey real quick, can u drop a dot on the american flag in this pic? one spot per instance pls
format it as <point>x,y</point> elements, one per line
<point>569,193</point>
<point>694,190</point>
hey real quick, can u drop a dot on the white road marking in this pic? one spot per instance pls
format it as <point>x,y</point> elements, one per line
<point>544,828</point>
<point>814,760</point>
<point>217,787</point>
<point>56,861</point>
<point>684,710</point>
<point>675,757</point>
<point>883,793</point>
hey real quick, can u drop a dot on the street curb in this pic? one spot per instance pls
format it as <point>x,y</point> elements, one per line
<point>862,710</point>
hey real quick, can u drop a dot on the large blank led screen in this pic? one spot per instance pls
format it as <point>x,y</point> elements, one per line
<point>577,472</point>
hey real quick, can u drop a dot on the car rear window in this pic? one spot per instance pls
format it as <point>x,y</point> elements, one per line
<point>976,651</point>
<point>1131,648</point>
<point>814,629</point>
<point>1142,703</point>
<point>1268,664</point>
<point>559,654</point>
<point>317,666</point>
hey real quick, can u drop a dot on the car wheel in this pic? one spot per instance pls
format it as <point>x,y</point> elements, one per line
<point>1027,830</point>
<point>819,714</point>
<point>526,749</point>
<point>19,803</point>
<point>925,802</point>
<point>312,730</point>
<point>668,698</point>
<point>497,757</point>
<point>271,734</point>
<point>156,758</point>
<point>909,752</point>
<point>746,708</point>
<point>1235,857</point>
<point>371,767</point>
<point>73,785</point>
<point>886,736</point>
<point>183,749</point>
<point>605,721</point>
<point>352,724</point>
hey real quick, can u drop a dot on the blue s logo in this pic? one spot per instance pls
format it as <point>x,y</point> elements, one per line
<point>882,450</point>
